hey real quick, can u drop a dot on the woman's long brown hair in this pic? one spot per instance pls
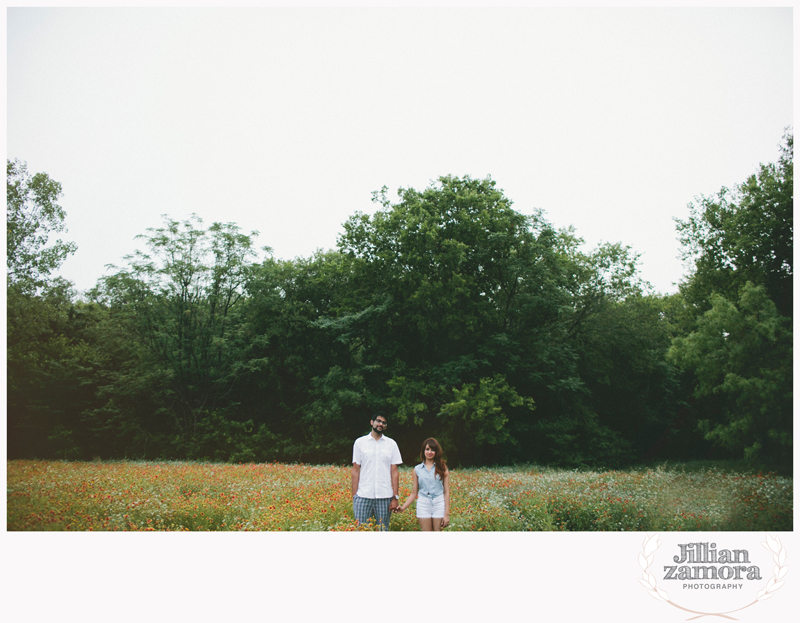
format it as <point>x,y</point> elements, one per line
<point>441,466</point>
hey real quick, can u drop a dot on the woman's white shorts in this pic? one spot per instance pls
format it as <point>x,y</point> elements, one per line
<point>430,508</point>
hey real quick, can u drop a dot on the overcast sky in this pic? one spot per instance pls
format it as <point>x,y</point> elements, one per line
<point>285,120</point>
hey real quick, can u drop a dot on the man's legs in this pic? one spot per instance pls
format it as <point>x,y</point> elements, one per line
<point>366,508</point>
<point>363,509</point>
<point>382,514</point>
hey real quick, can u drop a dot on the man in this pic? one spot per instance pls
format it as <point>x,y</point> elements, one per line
<point>375,477</point>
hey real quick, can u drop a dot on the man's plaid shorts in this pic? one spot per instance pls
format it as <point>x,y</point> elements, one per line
<point>365,508</point>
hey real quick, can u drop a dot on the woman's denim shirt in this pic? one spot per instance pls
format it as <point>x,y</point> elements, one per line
<point>430,485</point>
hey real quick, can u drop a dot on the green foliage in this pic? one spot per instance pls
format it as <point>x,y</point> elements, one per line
<point>450,260</point>
<point>469,294</point>
<point>735,327</point>
<point>219,438</point>
<point>476,410</point>
<point>734,330</point>
<point>744,234</point>
<point>603,513</point>
<point>41,356</point>
<point>764,507</point>
<point>534,514</point>
<point>447,308</point>
<point>32,214</point>
<point>634,390</point>
<point>182,303</point>
<point>741,358</point>
<point>463,417</point>
<point>312,384</point>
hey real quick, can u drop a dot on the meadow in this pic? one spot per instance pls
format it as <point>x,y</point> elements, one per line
<point>181,496</point>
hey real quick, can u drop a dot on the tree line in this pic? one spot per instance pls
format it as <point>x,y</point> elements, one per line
<point>457,315</point>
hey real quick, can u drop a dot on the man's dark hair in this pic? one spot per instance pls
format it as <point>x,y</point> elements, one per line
<point>379,413</point>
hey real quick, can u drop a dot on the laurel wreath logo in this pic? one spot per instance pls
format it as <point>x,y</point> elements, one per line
<point>648,580</point>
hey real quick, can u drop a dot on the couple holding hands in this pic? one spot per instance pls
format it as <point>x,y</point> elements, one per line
<point>376,480</point>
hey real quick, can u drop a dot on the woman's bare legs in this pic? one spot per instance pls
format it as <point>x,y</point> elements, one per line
<point>436,522</point>
<point>426,523</point>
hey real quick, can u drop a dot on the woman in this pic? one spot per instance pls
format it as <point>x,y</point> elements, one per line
<point>432,487</point>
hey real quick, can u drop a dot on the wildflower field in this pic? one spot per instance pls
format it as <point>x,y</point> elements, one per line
<point>56,495</point>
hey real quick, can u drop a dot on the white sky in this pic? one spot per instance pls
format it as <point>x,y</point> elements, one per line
<point>284,120</point>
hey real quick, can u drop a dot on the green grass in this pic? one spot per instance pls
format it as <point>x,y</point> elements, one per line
<point>60,495</point>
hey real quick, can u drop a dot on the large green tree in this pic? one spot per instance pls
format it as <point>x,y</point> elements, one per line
<point>473,317</point>
<point>32,215</point>
<point>737,319</point>
<point>744,234</point>
<point>182,300</point>
<point>38,353</point>
<point>443,271</point>
<point>741,356</point>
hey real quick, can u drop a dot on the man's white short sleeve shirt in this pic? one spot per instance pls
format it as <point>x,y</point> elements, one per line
<point>376,458</point>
